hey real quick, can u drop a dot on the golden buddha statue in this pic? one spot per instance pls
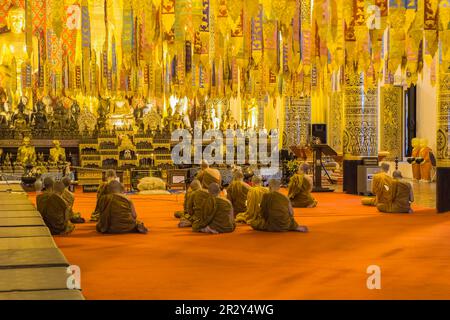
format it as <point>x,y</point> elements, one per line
<point>168,120</point>
<point>57,153</point>
<point>121,115</point>
<point>26,154</point>
<point>13,45</point>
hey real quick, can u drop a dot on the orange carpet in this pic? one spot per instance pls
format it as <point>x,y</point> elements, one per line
<point>328,263</point>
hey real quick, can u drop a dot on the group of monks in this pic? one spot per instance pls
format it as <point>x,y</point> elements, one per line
<point>392,194</point>
<point>208,209</point>
<point>114,212</point>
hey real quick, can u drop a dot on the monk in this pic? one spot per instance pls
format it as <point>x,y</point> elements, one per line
<point>237,192</point>
<point>426,166</point>
<point>186,215</point>
<point>300,187</point>
<point>254,198</point>
<point>194,206</point>
<point>276,214</point>
<point>208,175</point>
<point>69,198</point>
<point>217,214</point>
<point>381,187</point>
<point>403,196</point>
<point>117,212</point>
<point>54,209</point>
<point>103,190</point>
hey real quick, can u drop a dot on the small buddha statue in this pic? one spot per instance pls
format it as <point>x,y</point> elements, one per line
<point>26,154</point>
<point>39,117</point>
<point>40,158</point>
<point>20,120</point>
<point>168,120</point>
<point>207,122</point>
<point>57,153</point>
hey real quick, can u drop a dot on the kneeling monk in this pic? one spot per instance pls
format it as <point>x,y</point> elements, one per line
<point>208,175</point>
<point>254,198</point>
<point>193,204</point>
<point>276,212</point>
<point>103,190</point>
<point>54,209</point>
<point>69,198</point>
<point>300,187</point>
<point>216,215</point>
<point>381,187</point>
<point>117,212</point>
<point>237,193</point>
<point>403,196</point>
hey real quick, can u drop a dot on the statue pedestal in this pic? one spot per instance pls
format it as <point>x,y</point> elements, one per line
<point>443,190</point>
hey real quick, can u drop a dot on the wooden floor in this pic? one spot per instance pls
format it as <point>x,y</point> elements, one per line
<point>328,263</point>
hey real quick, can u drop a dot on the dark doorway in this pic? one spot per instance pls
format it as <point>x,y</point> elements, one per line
<point>410,118</point>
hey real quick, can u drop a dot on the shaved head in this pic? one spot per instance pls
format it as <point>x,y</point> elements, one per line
<point>274,184</point>
<point>110,174</point>
<point>67,181</point>
<point>59,187</point>
<point>205,164</point>
<point>48,183</point>
<point>397,174</point>
<point>385,166</point>
<point>304,167</point>
<point>214,189</point>
<point>195,185</point>
<point>237,174</point>
<point>115,187</point>
<point>257,180</point>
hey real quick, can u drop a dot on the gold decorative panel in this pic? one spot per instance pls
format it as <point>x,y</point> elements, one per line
<point>391,121</point>
<point>298,121</point>
<point>336,124</point>
<point>443,117</point>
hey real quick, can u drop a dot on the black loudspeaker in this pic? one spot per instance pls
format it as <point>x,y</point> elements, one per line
<point>319,130</point>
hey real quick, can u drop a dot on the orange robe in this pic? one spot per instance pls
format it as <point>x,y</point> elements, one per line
<point>415,166</point>
<point>425,166</point>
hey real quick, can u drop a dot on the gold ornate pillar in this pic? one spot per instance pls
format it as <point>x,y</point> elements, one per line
<point>297,120</point>
<point>360,117</point>
<point>391,118</point>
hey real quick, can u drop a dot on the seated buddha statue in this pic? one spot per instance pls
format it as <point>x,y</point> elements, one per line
<point>39,117</point>
<point>13,47</point>
<point>177,120</point>
<point>168,120</point>
<point>57,153</point>
<point>20,119</point>
<point>26,154</point>
<point>121,115</point>
<point>59,121</point>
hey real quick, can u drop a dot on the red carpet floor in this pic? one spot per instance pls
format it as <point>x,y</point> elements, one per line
<point>328,263</point>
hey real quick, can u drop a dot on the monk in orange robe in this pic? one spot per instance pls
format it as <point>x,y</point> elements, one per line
<point>425,166</point>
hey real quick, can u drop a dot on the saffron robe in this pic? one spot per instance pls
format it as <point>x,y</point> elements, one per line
<point>101,191</point>
<point>69,198</point>
<point>55,213</point>
<point>299,192</point>
<point>237,193</point>
<point>415,166</point>
<point>276,214</point>
<point>254,198</point>
<point>381,188</point>
<point>195,205</point>
<point>216,213</point>
<point>401,201</point>
<point>208,176</point>
<point>425,166</point>
<point>117,215</point>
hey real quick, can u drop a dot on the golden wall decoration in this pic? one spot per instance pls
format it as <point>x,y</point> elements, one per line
<point>298,121</point>
<point>335,121</point>
<point>443,117</point>
<point>360,117</point>
<point>391,118</point>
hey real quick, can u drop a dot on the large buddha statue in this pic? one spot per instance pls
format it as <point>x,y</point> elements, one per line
<point>57,153</point>
<point>13,46</point>
<point>39,117</point>
<point>26,153</point>
<point>121,114</point>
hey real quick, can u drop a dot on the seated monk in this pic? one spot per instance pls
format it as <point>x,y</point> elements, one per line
<point>69,198</point>
<point>54,209</point>
<point>195,202</point>
<point>237,193</point>
<point>216,215</point>
<point>403,196</point>
<point>381,185</point>
<point>300,187</point>
<point>276,213</point>
<point>208,175</point>
<point>254,198</point>
<point>184,215</point>
<point>103,190</point>
<point>117,212</point>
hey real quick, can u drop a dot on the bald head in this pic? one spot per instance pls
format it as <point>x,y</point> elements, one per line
<point>304,167</point>
<point>214,189</point>
<point>397,174</point>
<point>274,185</point>
<point>115,187</point>
<point>48,183</point>
<point>110,175</point>
<point>238,174</point>
<point>385,167</point>
<point>256,180</point>
<point>67,181</point>
<point>196,185</point>
<point>59,187</point>
<point>205,164</point>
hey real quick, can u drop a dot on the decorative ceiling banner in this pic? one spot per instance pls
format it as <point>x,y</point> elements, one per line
<point>397,20</point>
<point>430,27</point>
<point>167,14</point>
<point>257,36</point>
<point>306,40</point>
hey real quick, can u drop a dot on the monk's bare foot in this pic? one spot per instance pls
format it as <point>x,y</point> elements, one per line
<point>209,230</point>
<point>303,229</point>
<point>184,224</point>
